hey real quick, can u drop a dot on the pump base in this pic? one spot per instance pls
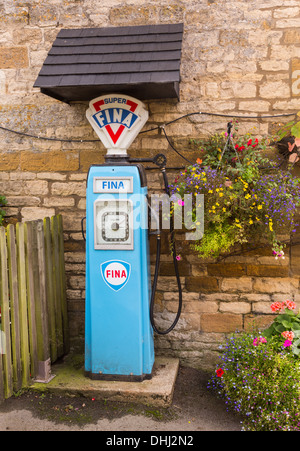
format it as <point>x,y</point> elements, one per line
<point>118,377</point>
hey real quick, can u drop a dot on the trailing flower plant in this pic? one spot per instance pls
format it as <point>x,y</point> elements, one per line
<point>247,197</point>
<point>258,373</point>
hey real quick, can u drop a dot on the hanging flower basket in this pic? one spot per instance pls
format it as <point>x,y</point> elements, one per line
<point>248,196</point>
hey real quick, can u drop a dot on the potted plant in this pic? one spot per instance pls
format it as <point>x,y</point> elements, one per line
<point>248,196</point>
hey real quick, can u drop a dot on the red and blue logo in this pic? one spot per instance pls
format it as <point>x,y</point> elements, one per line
<point>115,273</point>
<point>117,119</point>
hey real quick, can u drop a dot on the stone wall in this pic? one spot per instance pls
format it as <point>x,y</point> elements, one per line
<point>238,58</point>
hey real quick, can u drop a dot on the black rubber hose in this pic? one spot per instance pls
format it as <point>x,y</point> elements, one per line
<point>158,250</point>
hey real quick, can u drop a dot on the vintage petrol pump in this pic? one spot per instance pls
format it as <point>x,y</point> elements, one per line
<point>119,333</point>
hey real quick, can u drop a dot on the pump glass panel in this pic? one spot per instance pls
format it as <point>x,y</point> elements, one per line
<point>113,224</point>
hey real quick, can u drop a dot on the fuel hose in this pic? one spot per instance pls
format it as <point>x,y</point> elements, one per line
<point>157,264</point>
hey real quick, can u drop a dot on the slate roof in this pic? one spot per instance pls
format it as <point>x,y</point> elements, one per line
<point>142,61</point>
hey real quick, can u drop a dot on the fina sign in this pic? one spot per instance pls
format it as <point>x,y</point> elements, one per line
<point>115,273</point>
<point>117,119</point>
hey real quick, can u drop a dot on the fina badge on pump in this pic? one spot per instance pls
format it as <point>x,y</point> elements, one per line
<point>117,119</point>
<point>115,273</point>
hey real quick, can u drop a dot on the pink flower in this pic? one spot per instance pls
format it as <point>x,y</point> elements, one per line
<point>277,307</point>
<point>259,340</point>
<point>289,335</point>
<point>180,202</point>
<point>290,305</point>
<point>178,258</point>
<point>287,343</point>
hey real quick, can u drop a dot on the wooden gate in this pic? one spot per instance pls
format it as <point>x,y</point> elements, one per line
<point>34,324</point>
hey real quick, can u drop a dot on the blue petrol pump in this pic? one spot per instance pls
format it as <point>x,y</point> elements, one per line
<point>119,298</point>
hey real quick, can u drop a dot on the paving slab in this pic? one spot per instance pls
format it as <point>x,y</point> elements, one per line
<point>158,391</point>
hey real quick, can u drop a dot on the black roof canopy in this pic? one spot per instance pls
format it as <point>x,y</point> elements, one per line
<point>142,61</point>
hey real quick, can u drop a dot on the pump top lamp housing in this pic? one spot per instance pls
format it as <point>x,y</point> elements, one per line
<point>114,69</point>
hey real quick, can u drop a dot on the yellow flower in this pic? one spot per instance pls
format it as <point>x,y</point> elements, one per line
<point>217,190</point>
<point>248,196</point>
<point>221,194</point>
<point>210,191</point>
<point>224,209</point>
<point>259,207</point>
<point>217,204</point>
<point>250,221</point>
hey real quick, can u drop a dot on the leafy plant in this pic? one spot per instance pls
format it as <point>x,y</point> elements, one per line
<point>3,202</point>
<point>259,380</point>
<point>291,128</point>
<point>286,326</point>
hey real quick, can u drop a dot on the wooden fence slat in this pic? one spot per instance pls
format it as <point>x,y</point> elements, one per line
<point>50,291</point>
<point>5,316</point>
<point>25,355</point>
<point>30,261</point>
<point>34,326</point>
<point>57,291</point>
<point>1,368</point>
<point>42,314</point>
<point>14,306</point>
<point>63,285</point>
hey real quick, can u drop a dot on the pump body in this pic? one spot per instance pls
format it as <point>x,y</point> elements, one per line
<point>118,337</point>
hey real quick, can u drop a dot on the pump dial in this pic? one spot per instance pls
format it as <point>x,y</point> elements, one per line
<point>115,226</point>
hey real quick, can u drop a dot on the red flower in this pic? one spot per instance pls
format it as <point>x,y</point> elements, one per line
<point>249,142</point>
<point>219,372</point>
<point>255,144</point>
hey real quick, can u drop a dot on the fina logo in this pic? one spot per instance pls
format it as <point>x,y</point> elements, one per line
<point>117,119</point>
<point>115,273</point>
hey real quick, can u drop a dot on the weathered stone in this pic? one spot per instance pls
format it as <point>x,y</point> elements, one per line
<point>13,57</point>
<point>221,322</point>
<point>235,307</point>
<point>49,161</point>
<point>33,213</point>
<point>243,284</point>
<point>226,269</point>
<point>200,284</point>
<point>275,285</point>
<point>267,271</point>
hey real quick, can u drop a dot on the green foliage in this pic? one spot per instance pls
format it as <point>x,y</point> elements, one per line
<point>290,128</point>
<point>3,202</point>
<point>259,381</point>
